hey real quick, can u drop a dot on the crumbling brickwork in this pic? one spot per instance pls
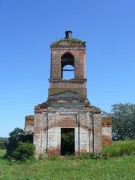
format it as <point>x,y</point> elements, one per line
<point>74,54</point>
<point>67,106</point>
<point>29,123</point>
<point>106,130</point>
<point>53,119</point>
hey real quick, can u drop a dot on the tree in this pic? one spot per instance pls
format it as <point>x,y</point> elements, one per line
<point>13,140</point>
<point>19,139</point>
<point>123,121</point>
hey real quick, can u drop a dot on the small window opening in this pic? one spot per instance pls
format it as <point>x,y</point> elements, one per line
<point>67,66</point>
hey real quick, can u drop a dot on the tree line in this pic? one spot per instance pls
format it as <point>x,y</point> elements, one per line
<point>123,121</point>
<point>3,142</point>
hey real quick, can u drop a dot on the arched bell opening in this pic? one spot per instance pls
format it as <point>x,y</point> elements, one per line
<point>67,66</point>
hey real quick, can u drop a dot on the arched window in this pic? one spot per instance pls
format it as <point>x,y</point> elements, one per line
<point>67,66</point>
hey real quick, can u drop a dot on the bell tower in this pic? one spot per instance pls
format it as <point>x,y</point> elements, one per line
<point>64,53</point>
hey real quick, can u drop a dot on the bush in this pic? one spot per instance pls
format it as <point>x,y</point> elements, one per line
<point>23,151</point>
<point>20,145</point>
<point>119,148</point>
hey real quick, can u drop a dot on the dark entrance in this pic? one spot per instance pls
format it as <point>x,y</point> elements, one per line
<point>67,141</point>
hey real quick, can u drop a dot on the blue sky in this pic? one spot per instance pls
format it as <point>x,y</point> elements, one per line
<point>28,27</point>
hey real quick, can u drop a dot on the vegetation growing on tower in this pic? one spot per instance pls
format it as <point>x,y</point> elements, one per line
<point>72,40</point>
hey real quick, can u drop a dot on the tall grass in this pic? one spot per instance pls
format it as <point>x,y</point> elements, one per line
<point>71,167</point>
<point>119,148</point>
<point>64,168</point>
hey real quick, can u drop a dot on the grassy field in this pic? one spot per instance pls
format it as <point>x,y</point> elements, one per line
<point>121,168</point>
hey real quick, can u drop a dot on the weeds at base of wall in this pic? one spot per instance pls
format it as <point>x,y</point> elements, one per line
<point>42,157</point>
<point>89,156</point>
<point>117,149</point>
<point>70,157</point>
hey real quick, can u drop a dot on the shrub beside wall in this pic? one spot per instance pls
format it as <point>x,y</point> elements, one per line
<point>23,151</point>
<point>20,145</point>
<point>119,148</point>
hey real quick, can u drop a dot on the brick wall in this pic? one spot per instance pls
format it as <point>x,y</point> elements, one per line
<point>106,131</point>
<point>78,84</point>
<point>48,124</point>
<point>78,51</point>
<point>29,123</point>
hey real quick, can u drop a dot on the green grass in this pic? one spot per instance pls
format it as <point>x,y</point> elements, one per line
<point>120,148</point>
<point>66,168</point>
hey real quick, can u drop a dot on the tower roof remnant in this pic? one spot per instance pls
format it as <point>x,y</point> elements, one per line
<point>68,38</point>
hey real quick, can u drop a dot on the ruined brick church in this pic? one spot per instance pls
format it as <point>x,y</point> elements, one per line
<point>67,111</point>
